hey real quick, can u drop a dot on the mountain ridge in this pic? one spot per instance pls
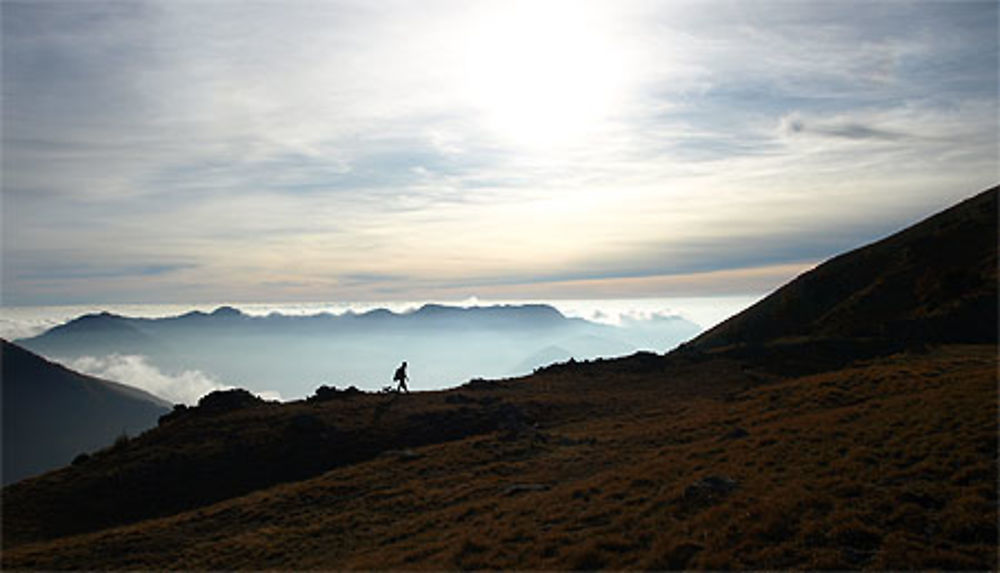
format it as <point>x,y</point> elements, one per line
<point>899,288</point>
<point>445,345</point>
<point>110,320</point>
<point>51,413</point>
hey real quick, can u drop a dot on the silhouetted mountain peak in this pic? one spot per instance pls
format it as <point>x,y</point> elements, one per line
<point>935,281</point>
<point>432,309</point>
<point>103,324</point>
<point>375,313</point>
<point>99,320</point>
<point>227,312</point>
<point>495,316</point>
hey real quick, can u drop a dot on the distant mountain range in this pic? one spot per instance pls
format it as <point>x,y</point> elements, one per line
<point>52,414</point>
<point>444,345</point>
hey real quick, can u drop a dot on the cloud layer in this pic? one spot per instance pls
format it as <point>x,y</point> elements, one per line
<point>136,371</point>
<point>170,151</point>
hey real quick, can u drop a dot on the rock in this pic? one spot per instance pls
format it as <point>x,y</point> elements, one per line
<point>306,424</point>
<point>523,487</point>
<point>736,433</point>
<point>514,424</point>
<point>564,441</point>
<point>481,384</point>
<point>178,411</point>
<point>709,488</point>
<point>488,400</point>
<point>403,455</point>
<point>680,555</point>
<point>458,399</point>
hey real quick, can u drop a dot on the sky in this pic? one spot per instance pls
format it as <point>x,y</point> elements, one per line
<point>195,150</point>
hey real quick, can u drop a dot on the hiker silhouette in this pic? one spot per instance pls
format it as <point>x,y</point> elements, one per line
<point>401,377</point>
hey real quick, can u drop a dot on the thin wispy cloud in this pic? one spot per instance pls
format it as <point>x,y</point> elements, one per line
<point>314,150</point>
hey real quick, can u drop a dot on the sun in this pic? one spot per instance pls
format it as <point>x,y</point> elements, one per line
<point>544,73</point>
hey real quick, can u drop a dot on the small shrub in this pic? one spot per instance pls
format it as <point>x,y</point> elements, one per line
<point>326,393</point>
<point>674,556</point>
<point>121,442</point>
<point>970,520</point>
<point>856,535</point>
<point>306,424</point>
<point>228,400</point>
<point>588,558</point>
<point>178,411</point>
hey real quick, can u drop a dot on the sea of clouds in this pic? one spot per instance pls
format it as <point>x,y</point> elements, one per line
<point>187,386</point>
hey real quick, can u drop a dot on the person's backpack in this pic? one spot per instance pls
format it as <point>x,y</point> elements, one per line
<point>398,377</point>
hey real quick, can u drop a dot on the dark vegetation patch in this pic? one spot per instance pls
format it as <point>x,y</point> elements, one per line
<point>233,443</point>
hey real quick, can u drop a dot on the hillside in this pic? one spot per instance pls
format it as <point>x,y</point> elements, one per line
<point>52,414</point>
<point>887,464</point>
<point>933,282</point>
<point>814,443</point>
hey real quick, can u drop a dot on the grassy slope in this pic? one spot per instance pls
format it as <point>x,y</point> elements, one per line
<point>889,463</point>
<point>935,281</point>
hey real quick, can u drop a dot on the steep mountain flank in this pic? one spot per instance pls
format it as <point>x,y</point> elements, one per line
<point>52,414</point>
<point>933,282</point>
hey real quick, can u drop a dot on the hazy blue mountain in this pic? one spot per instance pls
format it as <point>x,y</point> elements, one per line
<point>444,345</point>
<point>51,414</point>
<point>101,330</point>
<point>544,357</point>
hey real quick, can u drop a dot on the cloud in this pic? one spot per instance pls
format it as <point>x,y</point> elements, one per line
<point>12,327</point>
<point>74,271</point>
<point>314,150</point>
<point>269,395</point>
<point>859,131</point>
<point>183,388</point>
<point>794,125</point>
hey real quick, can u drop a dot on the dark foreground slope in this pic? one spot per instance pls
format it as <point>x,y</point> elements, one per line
<point>52,414</point>
<point>713,456</point>
<point>888,464</point>
<point>231,444</point>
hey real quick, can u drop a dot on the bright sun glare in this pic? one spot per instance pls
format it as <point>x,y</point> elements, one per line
<point>544,73</point>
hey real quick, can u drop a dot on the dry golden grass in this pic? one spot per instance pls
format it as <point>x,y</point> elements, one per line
<point>887,464</point>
